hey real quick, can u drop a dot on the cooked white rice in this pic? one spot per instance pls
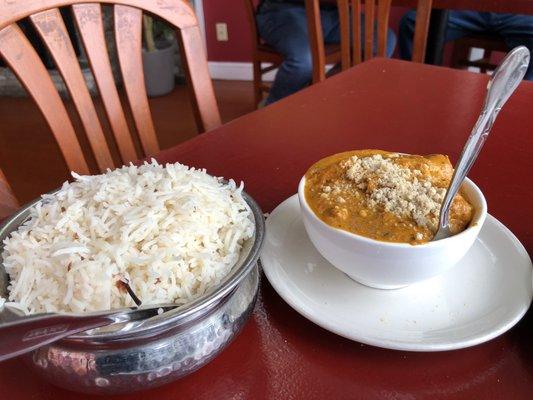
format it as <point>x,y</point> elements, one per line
<point>172,231</point>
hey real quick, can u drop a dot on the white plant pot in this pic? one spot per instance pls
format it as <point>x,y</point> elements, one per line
<point>159,76</point>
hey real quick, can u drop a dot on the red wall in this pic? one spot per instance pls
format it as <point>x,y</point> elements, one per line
<point>233,13</point>
<point>239,45</point>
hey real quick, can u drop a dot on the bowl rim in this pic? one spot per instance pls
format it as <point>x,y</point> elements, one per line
<point>475,224</point>
<point>172,318</point>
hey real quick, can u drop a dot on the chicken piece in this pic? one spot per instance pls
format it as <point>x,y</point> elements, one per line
<point>461,214</point>
<point>440,170</point>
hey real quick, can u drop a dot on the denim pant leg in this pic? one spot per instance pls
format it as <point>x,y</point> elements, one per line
<point>460,24</point>
<point>285,29</point>
<point>406,32</point>
<point>517,30</point>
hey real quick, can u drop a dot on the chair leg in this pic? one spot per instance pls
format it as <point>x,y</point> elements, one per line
<point>460,55</point>
<point>258,93</point>
<point>487,54</point>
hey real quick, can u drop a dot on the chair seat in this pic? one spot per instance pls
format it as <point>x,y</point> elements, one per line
<point>266,53</point>
<point>333,53</point>
<point>263,47</point>
<point>330,48</point>
<point>487,42</point>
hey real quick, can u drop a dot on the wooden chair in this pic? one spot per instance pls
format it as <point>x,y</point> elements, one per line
<point>8,202</point>
<point>376,14</point>
<point>489,44</point>
<point>46,18</point>
<point>263,53</point>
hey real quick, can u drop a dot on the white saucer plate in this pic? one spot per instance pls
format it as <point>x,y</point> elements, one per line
<point>483,296</point>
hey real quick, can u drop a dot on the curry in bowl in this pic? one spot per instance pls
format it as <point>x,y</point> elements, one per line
<point>385,196</point>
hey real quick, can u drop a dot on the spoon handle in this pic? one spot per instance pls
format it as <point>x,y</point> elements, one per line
<point>24,335</point>
<point>502,84</point>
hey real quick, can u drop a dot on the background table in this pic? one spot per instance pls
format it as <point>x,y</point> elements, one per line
<point>439,18</point>
<point>384,104</point>
<point>502,6</point>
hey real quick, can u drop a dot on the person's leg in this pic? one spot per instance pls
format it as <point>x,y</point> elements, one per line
<point>464,23</point>
<point>406,32</point>
<point>391,42</point>
<point>285,30</point>
<point>460,24</point>
<point>517,30</point>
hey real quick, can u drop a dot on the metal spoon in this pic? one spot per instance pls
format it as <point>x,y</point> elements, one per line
<point>502,84</point>
<point>21,334</point>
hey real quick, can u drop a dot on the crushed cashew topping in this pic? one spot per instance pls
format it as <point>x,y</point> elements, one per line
<point>398,189</point>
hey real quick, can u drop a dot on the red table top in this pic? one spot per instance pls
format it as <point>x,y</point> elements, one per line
<point>384,104</point>
<point>501,6</point>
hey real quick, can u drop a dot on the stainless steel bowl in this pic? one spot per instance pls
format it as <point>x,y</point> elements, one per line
<point>142,354</point>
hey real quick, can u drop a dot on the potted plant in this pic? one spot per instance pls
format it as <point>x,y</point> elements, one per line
<point>158,57</point>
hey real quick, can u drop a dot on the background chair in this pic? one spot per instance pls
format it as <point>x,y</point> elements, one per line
<point>26,64</point>
<point>489,43</point>
<point>8,202</point>
<point>263,53</point>
<point>376,19</point>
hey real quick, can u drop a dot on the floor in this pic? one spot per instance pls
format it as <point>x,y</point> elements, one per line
<point>31,160</point>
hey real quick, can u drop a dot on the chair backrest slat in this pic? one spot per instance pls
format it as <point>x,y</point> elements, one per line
<point>356,31</point>
<point>49,24</point>
<point>316,36</point>
<point>376,20</point>
<point>423,13</point>
<point>369,28</point>
<point>8,202</point>
<point>128,35</point>
<point>250,12</point>
<point>197,74</point>
<point>344,23</point>
<point>26,64</point>
<point>88,19</point>
<point>179,13</point>
<point>383,26</point>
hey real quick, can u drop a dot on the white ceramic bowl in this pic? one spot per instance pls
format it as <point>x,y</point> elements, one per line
<point>387,265</point>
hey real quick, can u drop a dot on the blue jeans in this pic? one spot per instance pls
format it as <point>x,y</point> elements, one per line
<point>284,27</point>
<point>515,29</point>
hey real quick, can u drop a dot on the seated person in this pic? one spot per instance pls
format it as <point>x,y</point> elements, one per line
<point>283,25</point>
<point>515,29</point>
